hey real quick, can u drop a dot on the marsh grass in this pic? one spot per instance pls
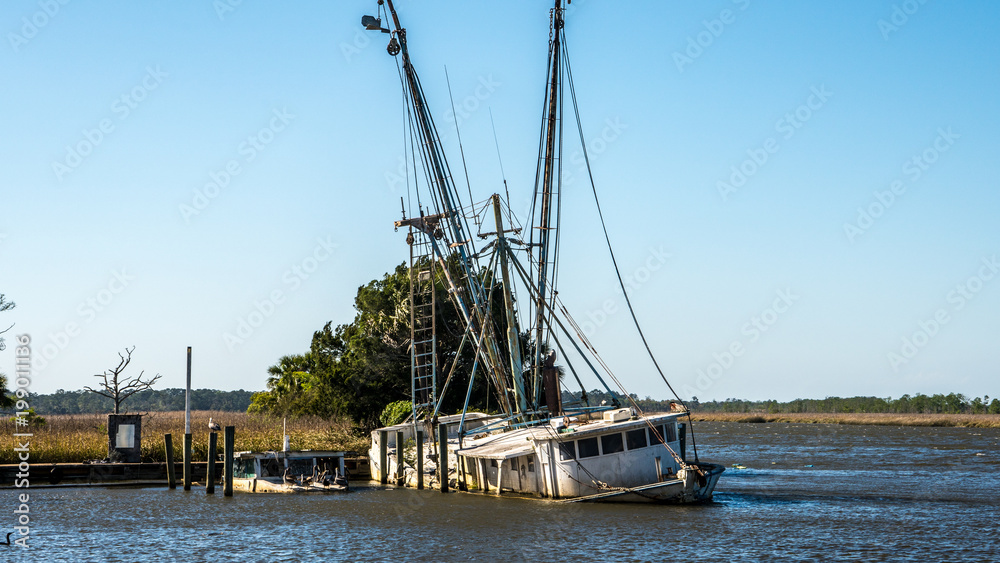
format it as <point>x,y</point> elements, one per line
<point>77,438</point>
<point>881,419</point>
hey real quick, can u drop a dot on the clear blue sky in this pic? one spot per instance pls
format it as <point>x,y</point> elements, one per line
<point>118,114</point>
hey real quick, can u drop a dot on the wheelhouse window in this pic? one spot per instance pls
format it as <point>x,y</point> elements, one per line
<point>612,443</point>
<point>588,447</point>
<point>671,432</point>
<point>636,438</point>
<point>657,436</point>
<point>567,451</point>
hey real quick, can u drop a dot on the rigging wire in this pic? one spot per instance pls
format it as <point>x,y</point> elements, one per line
<point>607,238</point>
<point>497,143</point>
<point>413,151</point>
<point>459,135</point>
<point>604,227</point>
<point>406,172</point>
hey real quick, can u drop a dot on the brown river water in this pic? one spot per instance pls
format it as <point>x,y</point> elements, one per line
<point>810,492</point>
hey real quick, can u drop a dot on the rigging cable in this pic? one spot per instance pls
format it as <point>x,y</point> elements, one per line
<point>604,227</point>
<point>459,134</point>
<point>497,143</point>
<point>607,238</point>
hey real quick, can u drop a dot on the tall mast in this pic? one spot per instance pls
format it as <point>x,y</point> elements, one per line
<point>513,338</point>
<point>434,155</point>
<point>549,180</point>
<point>468,293</point>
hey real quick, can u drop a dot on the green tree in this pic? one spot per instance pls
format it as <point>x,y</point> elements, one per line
<point>5,306</point>
<point>289,387</point>
<point>6,399</point>
<point>356,369</point>
<point>995,406</point>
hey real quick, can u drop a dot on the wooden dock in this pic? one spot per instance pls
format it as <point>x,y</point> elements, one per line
<point>62,474</point>
<point>136,474</point>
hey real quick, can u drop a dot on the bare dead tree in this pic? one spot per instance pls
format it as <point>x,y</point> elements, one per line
<point>117,387</point>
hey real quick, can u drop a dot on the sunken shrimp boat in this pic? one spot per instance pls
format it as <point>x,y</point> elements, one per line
<point>546,438</point>
<point>296,471</point>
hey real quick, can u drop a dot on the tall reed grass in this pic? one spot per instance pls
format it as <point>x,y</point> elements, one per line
<point>78,438</point>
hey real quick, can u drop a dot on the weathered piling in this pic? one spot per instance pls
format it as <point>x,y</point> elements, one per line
<point>187,462</point>
<point>683,437</point>
<point>383,457</point>
<point>168,444</point>
<point>420,459</point>
<point>210,473</point>
<point>400,476</point>
<point>230,449</point>
<point>443,456</point>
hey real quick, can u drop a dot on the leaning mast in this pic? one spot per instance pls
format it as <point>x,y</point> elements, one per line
<point>549,180</point>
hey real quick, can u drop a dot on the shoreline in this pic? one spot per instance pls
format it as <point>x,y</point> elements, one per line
<point>876,419</point>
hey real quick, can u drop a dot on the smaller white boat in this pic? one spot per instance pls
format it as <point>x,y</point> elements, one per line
<point>296,471</point>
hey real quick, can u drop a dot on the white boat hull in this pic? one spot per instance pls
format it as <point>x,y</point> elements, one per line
<point>628,465</point>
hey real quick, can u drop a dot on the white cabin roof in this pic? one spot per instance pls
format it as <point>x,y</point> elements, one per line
<point>504,446</point>
<point>522,441</point>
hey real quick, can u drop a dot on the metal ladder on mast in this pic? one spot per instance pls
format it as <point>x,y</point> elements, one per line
<point>423,323</point>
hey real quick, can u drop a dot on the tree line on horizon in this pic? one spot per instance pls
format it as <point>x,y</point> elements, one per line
<point>952,403</point>
<point>166,400</point>
<point>152,400</point>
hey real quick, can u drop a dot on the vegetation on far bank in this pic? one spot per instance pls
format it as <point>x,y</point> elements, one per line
<point>876,419</point>
<point>153,400</point>
<point>952,403</point>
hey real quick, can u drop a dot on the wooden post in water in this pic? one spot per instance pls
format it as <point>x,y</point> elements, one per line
<point>187,462</point>
<point>230,449</point>
<point>420,459</point>
<point>213,439</point>
<point>400,478</point>
<point>443,456</point>
<point>683,436</point>
<point>187,426</point>
<point>168,444</point>
<point>383,457</point>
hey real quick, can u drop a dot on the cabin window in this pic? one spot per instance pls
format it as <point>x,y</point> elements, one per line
<point>657,436</point>
<point>513,463</point>
<point>671,432</point>
<point>636,438</point>
<point>567,451</point>
<point>531,463</point>
<point>612,443</point>
<point>493,463</point>
<point>588,447</point>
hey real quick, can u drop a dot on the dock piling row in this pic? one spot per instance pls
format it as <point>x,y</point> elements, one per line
<point>168,444</point>
<point>210,477</point>
<point>187,462</point>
